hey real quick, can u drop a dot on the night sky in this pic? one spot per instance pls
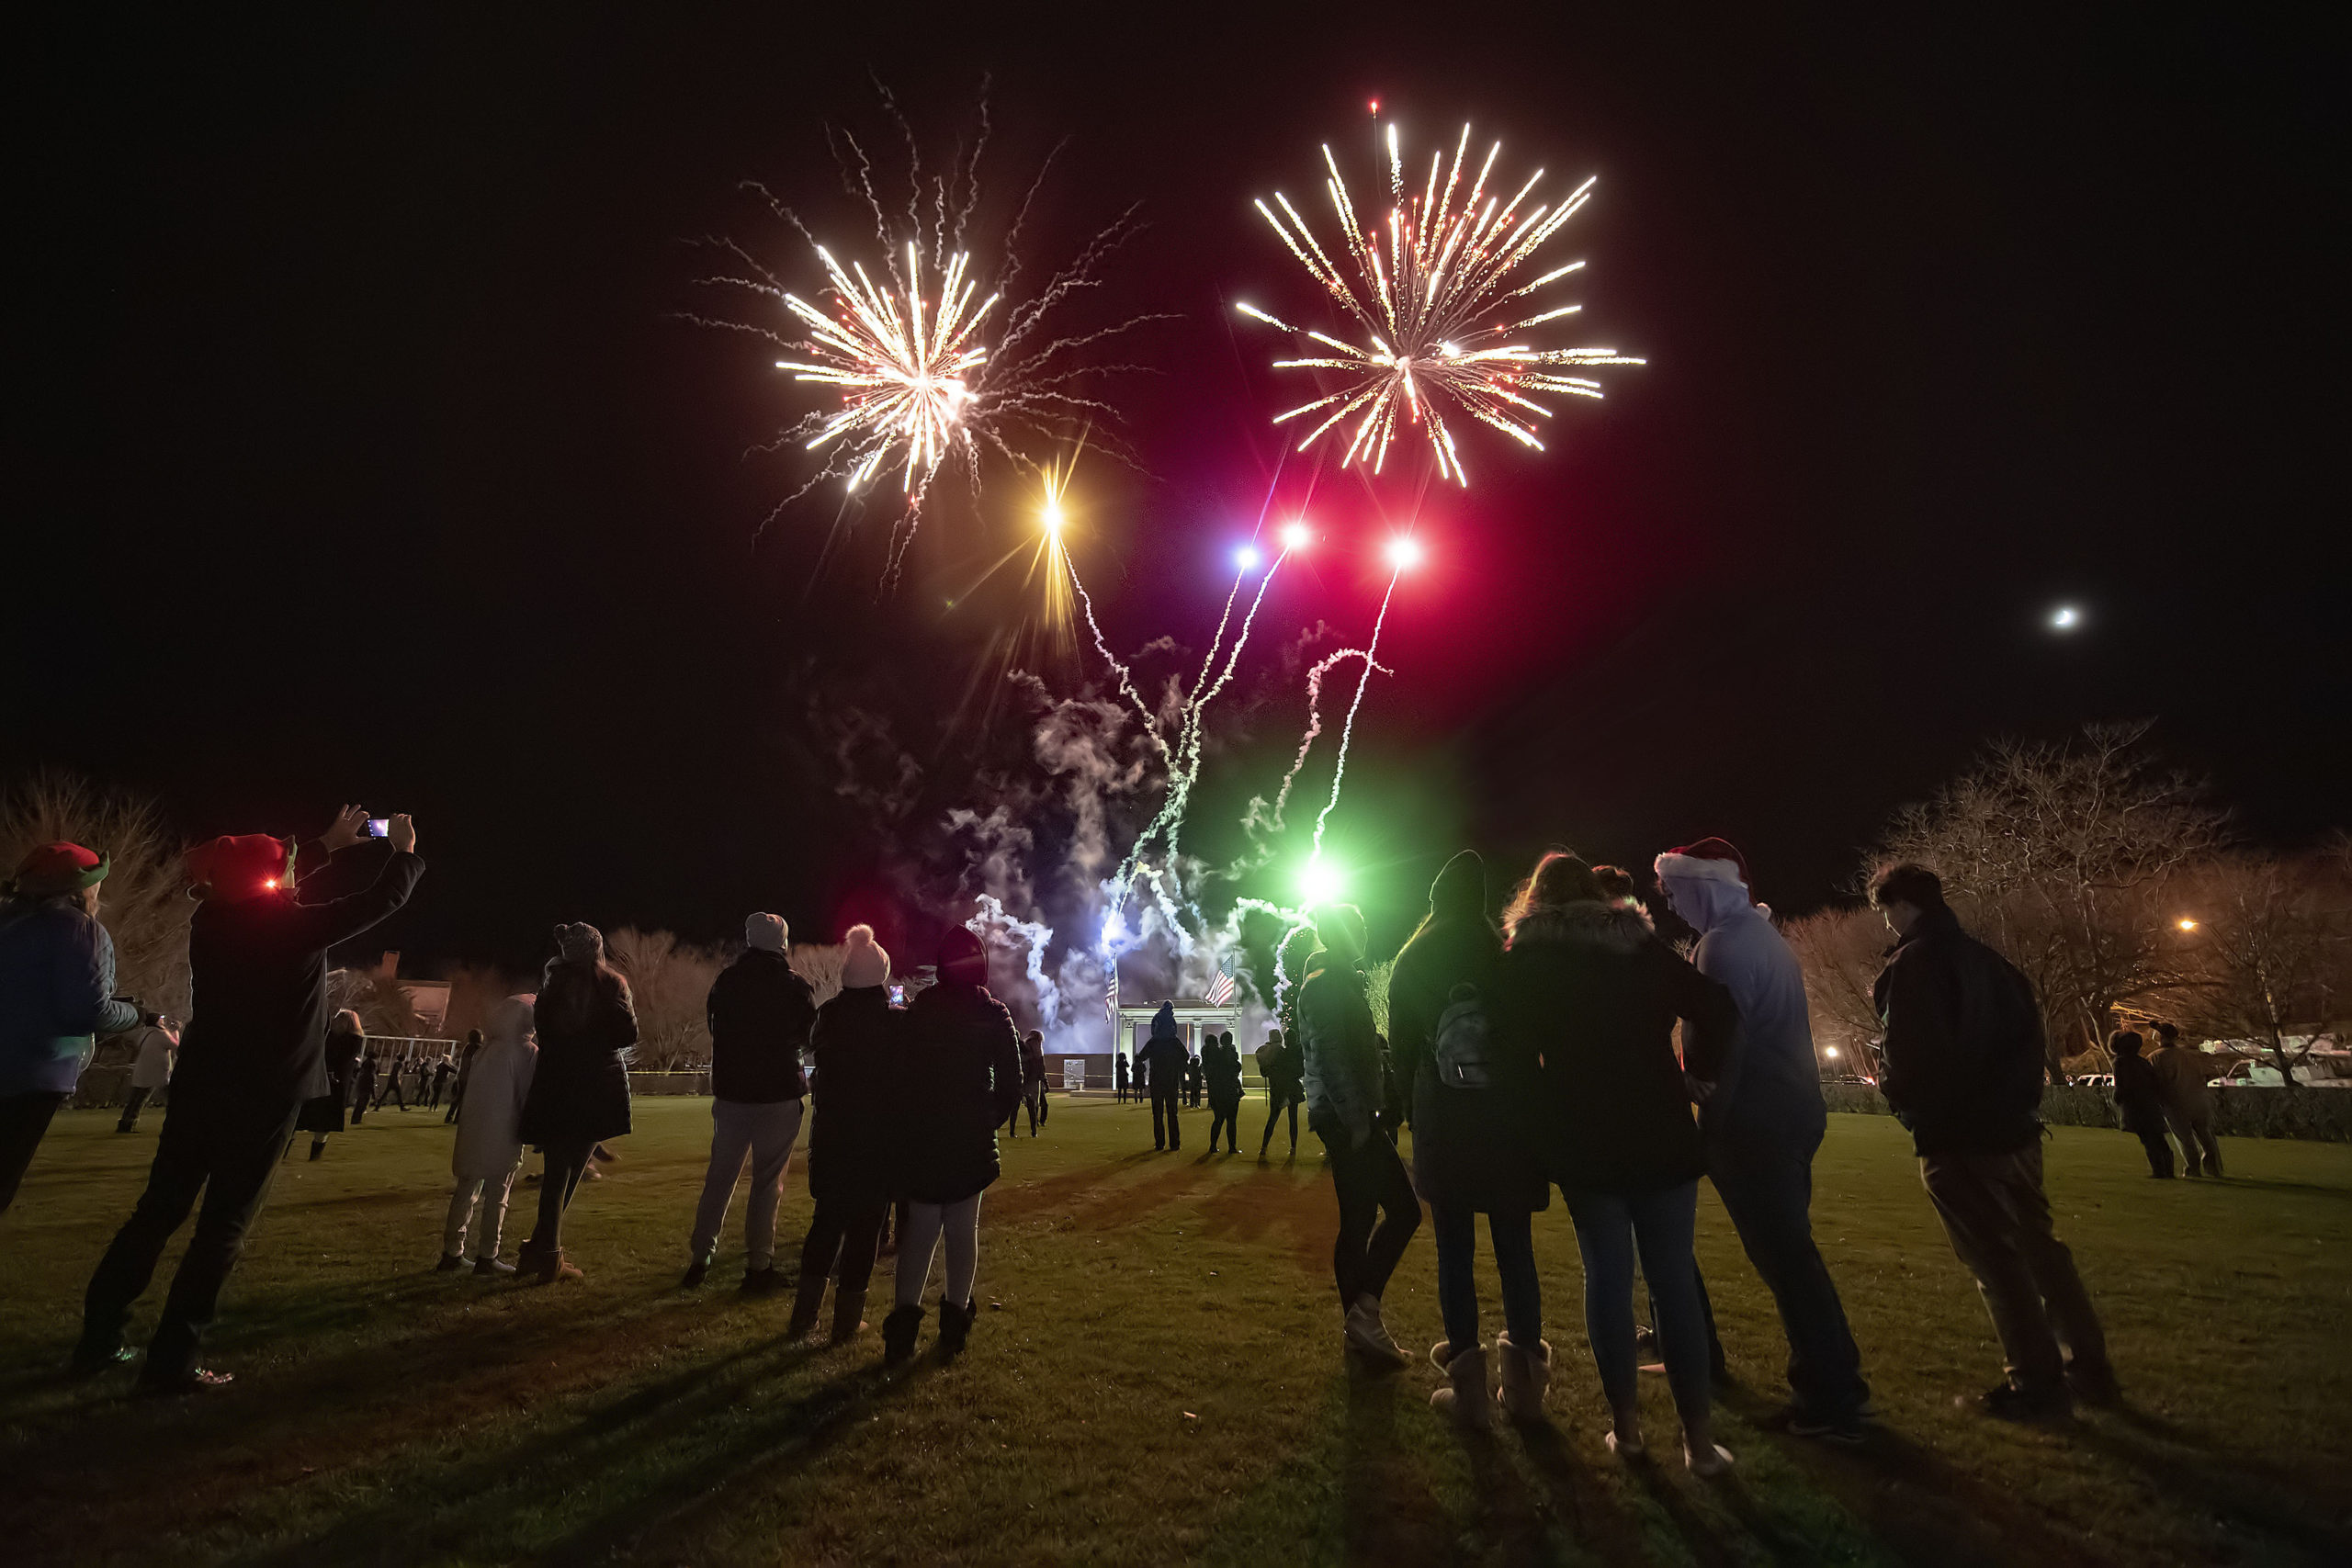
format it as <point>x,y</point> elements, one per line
<point>360,452</point>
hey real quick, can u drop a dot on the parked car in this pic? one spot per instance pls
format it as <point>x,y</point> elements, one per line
<point>2311,1073</point>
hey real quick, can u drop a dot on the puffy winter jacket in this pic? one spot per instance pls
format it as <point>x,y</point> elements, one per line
<point>859,1043</point>
<point>760,1014</point>
<point>1590,993</point>
<point>56,994</point>
<point>1340,1051</point>
<point>961,1080</point>
<point>578,1092</point>
<point>1963,1051</point>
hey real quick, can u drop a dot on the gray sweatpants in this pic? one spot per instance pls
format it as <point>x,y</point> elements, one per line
<point>766,1133</point>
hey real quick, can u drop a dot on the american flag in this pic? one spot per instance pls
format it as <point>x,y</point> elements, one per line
<point>1111,993</point>
<point>1220,988</point>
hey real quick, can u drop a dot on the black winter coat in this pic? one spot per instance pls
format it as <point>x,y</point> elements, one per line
<point>1474,1147</point>
<point>861,1069</point>
<point>579,1086</point>
<point>1279,1065</point>
<point>1589,993</point>
<point>2137,1098</point>
<point>325,1113</point>
<point>1222,1063</point>
<point>256,1032</point>
<point>1164,1063</point>
<point>961,1080</point>
<point>760,1014</point>
<point>1962,1061</point>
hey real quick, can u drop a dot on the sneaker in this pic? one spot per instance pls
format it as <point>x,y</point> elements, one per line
<point>89,1362</point>
<point>2009,1403</point>
<point>1716,1460</point>
<point>196,1379</point>
<point>490,1267</point>
<point>450,1263</point>
<point>1852,1431</point>
<point>761,1282</point>
<point>1631,1453</point>
<point>697,1272</point>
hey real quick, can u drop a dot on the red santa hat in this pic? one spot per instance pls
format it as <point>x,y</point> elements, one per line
<point>53,869</point>
<point>1709,860</point>
<point>238,865</point>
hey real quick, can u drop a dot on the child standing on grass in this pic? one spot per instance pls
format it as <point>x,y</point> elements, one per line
<point>856,1044</point>
<point>965,1080</point>
<point>489,1149</point>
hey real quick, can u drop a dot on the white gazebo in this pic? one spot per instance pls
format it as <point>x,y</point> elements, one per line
<point>1195,1022</point>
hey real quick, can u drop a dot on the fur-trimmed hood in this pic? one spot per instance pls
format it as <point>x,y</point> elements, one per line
<point>1613,928</point>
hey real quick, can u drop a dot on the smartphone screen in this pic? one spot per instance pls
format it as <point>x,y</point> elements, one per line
<point>378,825</point>
<point>897,995</point>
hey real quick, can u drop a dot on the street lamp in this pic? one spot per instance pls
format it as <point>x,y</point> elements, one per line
<point>2185,923</point>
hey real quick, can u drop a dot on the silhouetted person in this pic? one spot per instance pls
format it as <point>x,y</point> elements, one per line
<point>586,1022</point>
<point>364,1084</point>
<point>465,1072</point>
<point>255,1050</point>
<point>1278,1065</point>
<point>2183,1075</point>
<point>1221,1065</point>
<point>1344,1078</point>
<point>1119,1076</point>
<point>323,1114</point>
<point>1164,1061</point>
<point>1963,1069</point>
<point>150,1070</point>
<point>760,1013</point>
<point>2139,1102</point>
<point>859,1047</point>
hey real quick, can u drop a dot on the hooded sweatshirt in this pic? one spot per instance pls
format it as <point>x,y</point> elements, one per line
<point>1770,1089</point>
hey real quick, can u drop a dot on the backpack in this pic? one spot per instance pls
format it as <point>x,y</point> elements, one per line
<point>1463,1043</point>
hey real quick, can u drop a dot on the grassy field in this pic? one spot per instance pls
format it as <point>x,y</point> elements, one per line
<point>1155,1378</point>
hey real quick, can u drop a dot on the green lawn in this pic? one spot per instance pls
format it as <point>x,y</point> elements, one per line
<point>1155,1378</point>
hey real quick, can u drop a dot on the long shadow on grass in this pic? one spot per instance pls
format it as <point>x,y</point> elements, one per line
<point>1597,1520</point>
<point>2232,1489</point>
<point>1389,1514</point>
<point>1924,1508</point>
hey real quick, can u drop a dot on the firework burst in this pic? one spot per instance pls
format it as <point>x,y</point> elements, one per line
<point>1439,296</point>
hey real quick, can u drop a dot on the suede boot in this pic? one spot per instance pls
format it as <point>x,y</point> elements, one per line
<point>1526,1374</point>
<point>955,1327</point>
<point>847,1323</point>
<point>898,1335</point>
<point>805,1303</point>
<point>1464,1395</point>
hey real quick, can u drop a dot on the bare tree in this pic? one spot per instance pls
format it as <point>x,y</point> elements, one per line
<point>1841,952</point>
<point>2267,943</point>
<point>2064,858</point>
<point>671,980</point>
<point>820,963</point>
<point>144,903</point>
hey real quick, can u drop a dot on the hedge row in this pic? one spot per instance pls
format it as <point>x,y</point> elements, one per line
<point>2320,1115</point>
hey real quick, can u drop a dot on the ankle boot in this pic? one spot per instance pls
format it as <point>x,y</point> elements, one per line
<point>847,1324</point>
<point>898,1335</point>
<point>1464,1395</point>
<point>955,1327</point>
<point>805,1303</point>
<point>1526,1374</point>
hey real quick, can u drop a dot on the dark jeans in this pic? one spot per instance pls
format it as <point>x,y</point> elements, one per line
<point>226,1153</point>
<point>560,1180</point>
<point>1274,1115</point>
<point>362,1101</point>
<point>1370,1181</point>
<point>843,1236</point>
<point>1768,1192</point>
<point>131,1103</point>
<point>1222,1116</point>
<point>1994,1209</point>
<point>24,1122</point>
<point>393,1092</point>
<point>1611,1227</point>
<point>2159,1150</point>
<point>1457,1291</point>
<point>1168,1133</point>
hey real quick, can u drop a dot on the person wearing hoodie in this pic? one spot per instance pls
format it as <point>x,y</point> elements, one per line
<point>323,1115</point>
<point>2139,1102</point>
<point>860,1065</point>
<point>1472,1153</point>
<point>1344,1072</point>
<point>760,1014</point>
<point>586,1021</point>
<point>1961,1068</point>
<point>1165,1061</point>
<point>56,996</point>
<point>254,1051</point>
<point>1763,1126</point>
<point>1589,996</point>
<point>489,1149</point>
<point>1224,1070</point>
<point>963,1078</point>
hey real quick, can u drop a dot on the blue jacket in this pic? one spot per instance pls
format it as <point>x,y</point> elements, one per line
<point>56,994</point>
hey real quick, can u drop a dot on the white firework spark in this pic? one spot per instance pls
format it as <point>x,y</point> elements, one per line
<point>1436,294</point>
